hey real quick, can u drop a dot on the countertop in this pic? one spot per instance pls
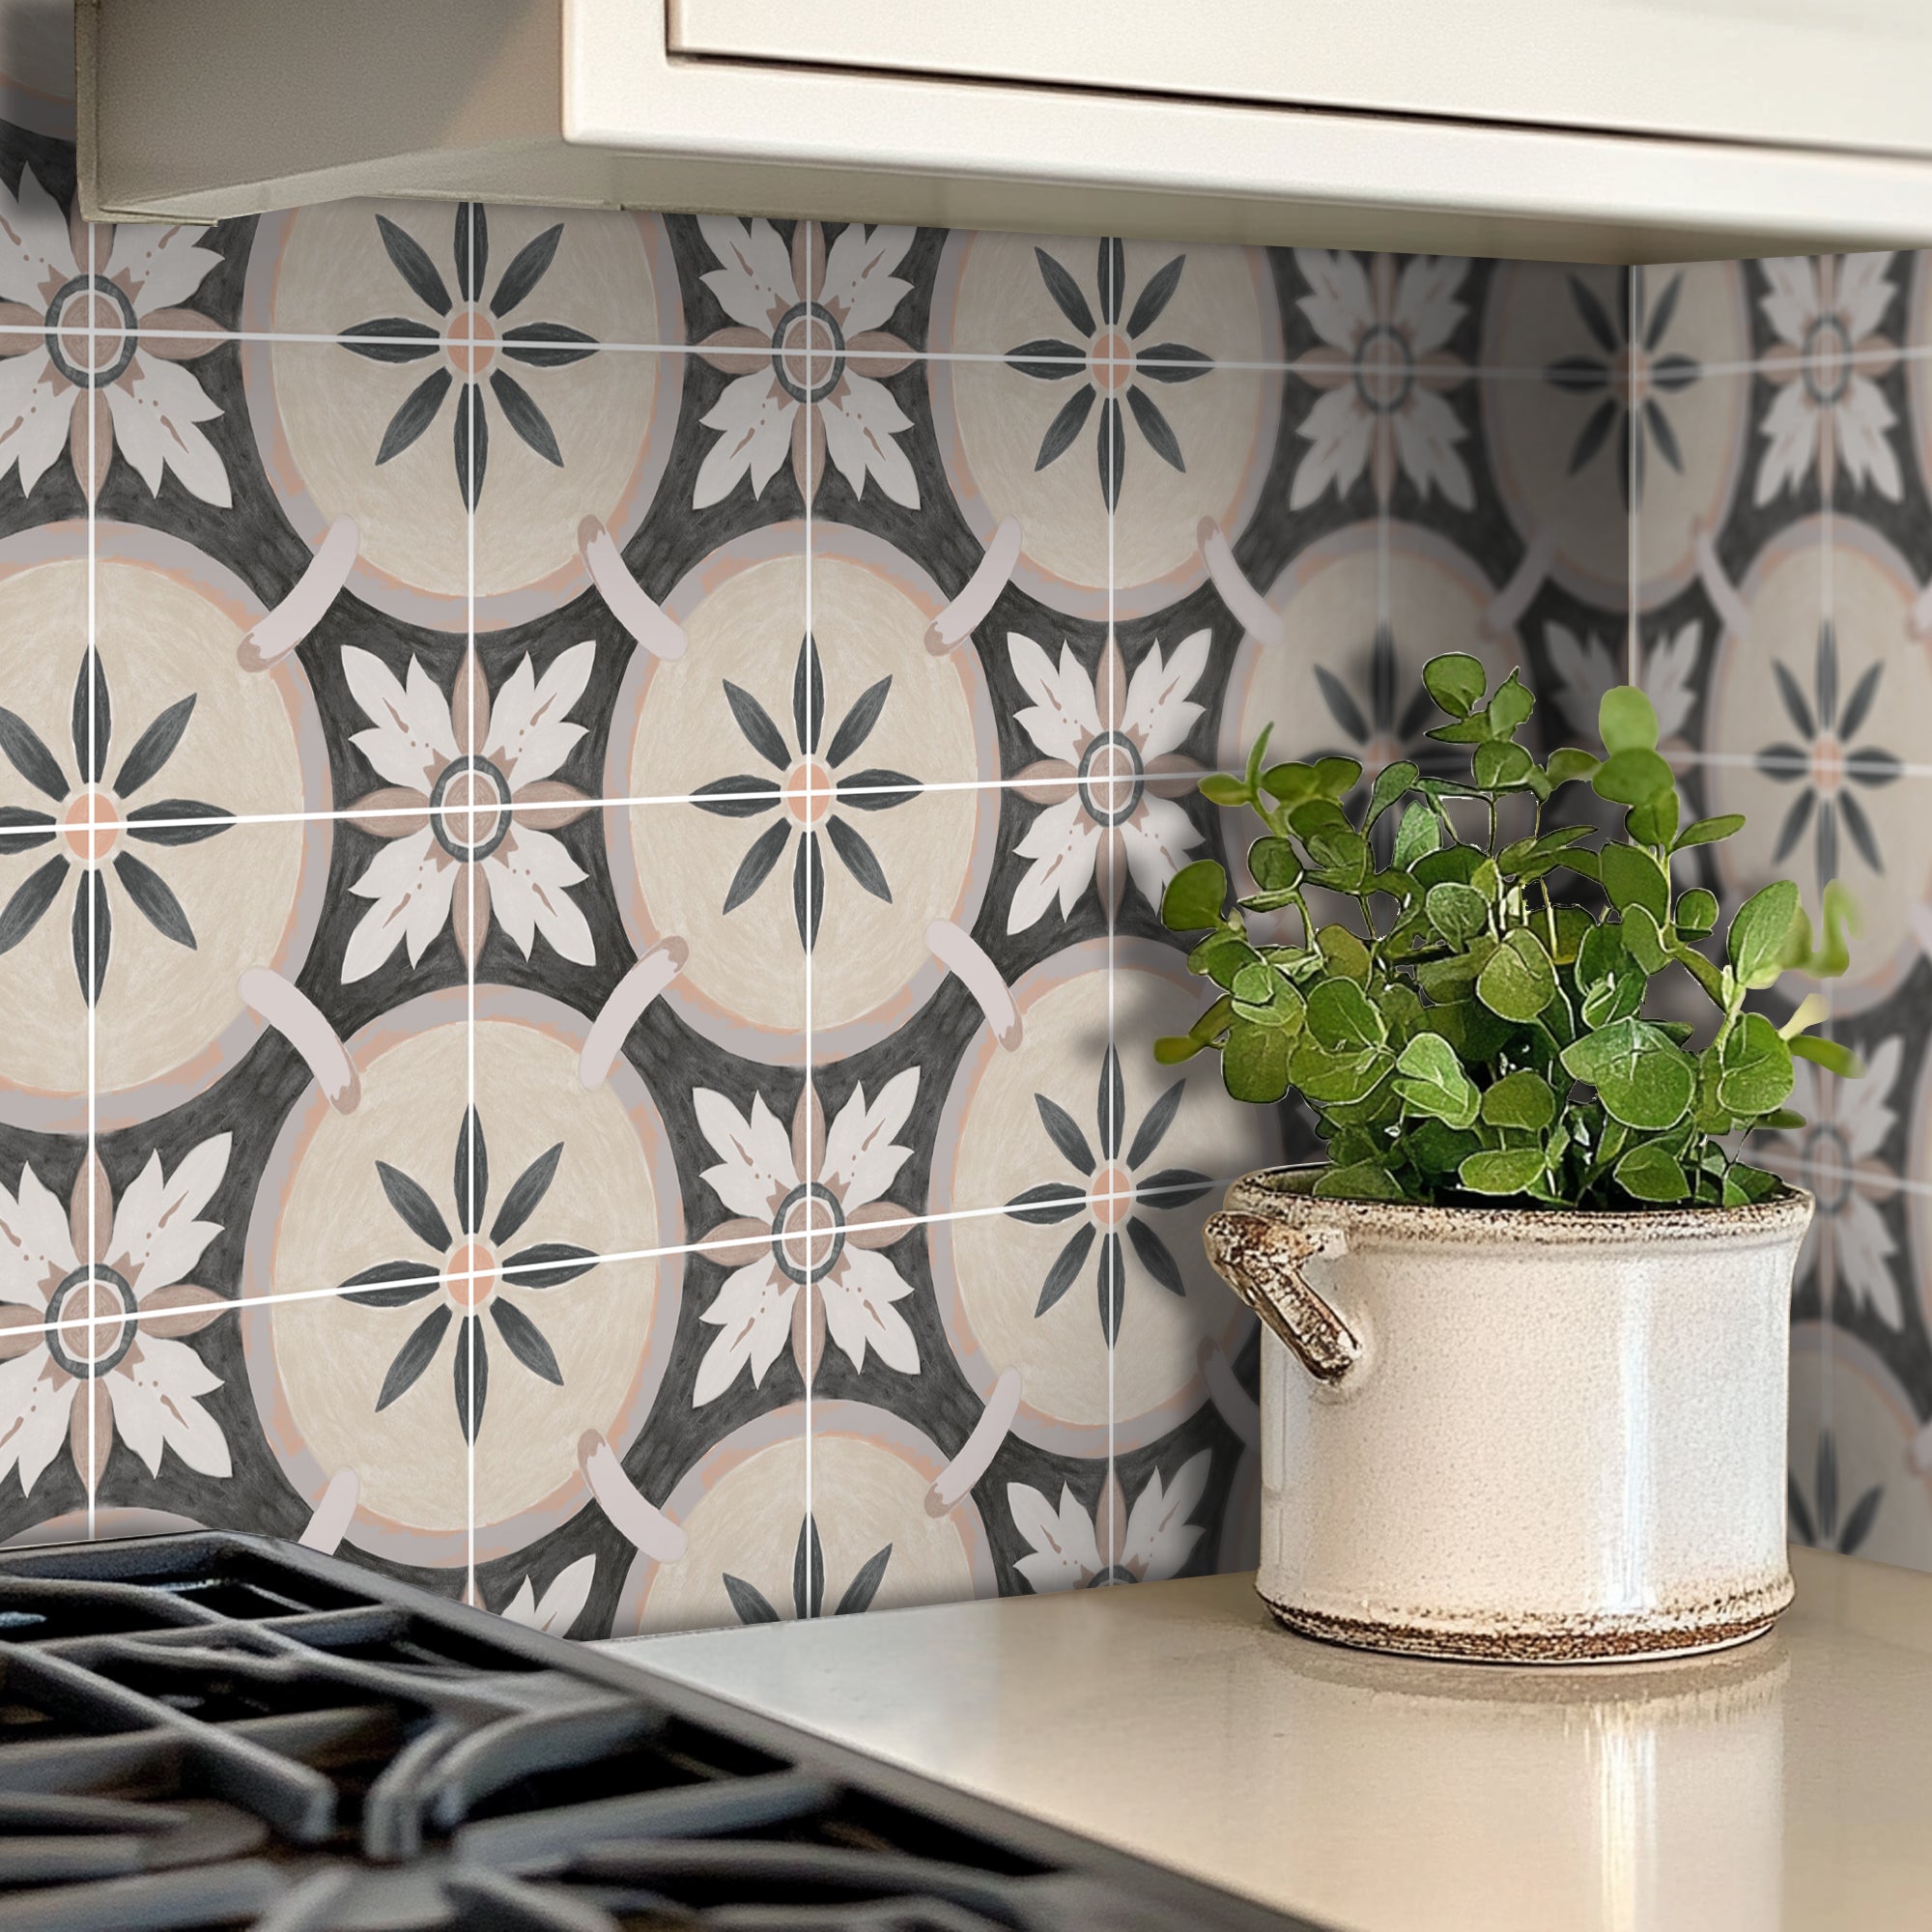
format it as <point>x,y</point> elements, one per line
<point>1783,1784</point>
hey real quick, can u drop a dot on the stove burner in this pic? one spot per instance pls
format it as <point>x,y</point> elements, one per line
<point>213,1730</point>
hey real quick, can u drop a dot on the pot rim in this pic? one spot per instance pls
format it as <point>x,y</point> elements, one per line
<point>1284,1193</point>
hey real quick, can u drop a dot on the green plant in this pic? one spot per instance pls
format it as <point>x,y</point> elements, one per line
<point>1465,1034</point>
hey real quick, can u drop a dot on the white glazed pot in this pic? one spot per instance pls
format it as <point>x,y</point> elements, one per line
<point>1520,1436</point>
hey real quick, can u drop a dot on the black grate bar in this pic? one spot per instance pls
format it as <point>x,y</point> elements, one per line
<point>154,1902</point>
<point>549,1841</point>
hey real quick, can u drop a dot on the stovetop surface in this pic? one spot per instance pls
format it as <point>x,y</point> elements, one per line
<point>215,1730</point>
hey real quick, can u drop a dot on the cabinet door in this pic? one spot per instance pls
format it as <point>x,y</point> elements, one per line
<point>1827,73</point>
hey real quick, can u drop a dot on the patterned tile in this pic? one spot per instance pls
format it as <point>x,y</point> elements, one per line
<point>619,775</point>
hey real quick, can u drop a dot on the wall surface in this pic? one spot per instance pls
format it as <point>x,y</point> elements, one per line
<point>583,802</point>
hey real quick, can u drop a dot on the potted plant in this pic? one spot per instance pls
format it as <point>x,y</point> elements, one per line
<point>1538,1298</point>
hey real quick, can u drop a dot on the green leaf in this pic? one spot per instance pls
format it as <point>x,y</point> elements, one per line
<point>1314,816</point>
<point>1502,1169</point>
<point>1696,912</point>
<point>1339,860</point>
<point>1653,822</point>
<point>1708,831</point>
<point>1569,764</point>
<point>1519,980</point>
<point>1257,751</point>
<point>1177,1047</point>
<point>1431,1079</point>
<point>1435,1147</point>
<point>1611,982</point>
<point>1632,777</point>
<point>1452,865</point>
<point>1219,788</point>
<point>1633,877</point>
<point>1360,1180</point>
<point>1344,952</point>
<point>1220,956</point>
<point>1253,1062</point>
<point>1502,766</point>
<point>1456,682</point>
<point>1510,707</point>
<point>1758,933</point>
<point>1641,1077</point>
<point>1290,782</point>
<point>1392,781</point>
<point>1418,834</point>
<point>1643,940</point>
<point>1756,1073</point>
<point>1274,865</point>
<point>1573,925</point>
<point>1457,912</point>
<point>1830,1054</point>
<point>1471,1029</point>
<point>1745,1184</point>
<point>1336,777</point>
<point>1627,721</point>
<point>1652,1172</point>
<point>1341,1017</point>
<point>1702,971</point>
<point>1325,1077</point>
<point>1519,1099</point>
<point>1194,897</point>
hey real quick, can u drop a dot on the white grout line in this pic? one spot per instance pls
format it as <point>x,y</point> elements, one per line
<point>472,671</point>
<point>1111,1129</point>
<point>86,401</point>
<point>809,1098</point>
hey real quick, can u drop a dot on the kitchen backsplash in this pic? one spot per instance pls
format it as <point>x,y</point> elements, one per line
<point>583,804</point>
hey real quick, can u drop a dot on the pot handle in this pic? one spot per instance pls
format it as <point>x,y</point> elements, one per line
<point>1261,1259</point>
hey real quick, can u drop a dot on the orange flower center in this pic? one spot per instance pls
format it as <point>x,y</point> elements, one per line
<point>1828,763</point>
<point>1111,1196</point>
<point>1112,360</point>
<point>470,343</point>
<point>470,1275</point>
<point>807,791</point>
<point>90,826</point>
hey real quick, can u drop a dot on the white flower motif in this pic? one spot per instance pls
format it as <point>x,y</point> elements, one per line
<point>1837,1157</point>
<point>469,786</point>
<point>1153,1540</point>
<point>1383,367</point>
<point>1587,666</point>
<point>560,1605</point>
<point>795,390</point>
<point>121,1290</point>
<point>1827,404</point>
<point>811,1213</point>
<point>85,298</point>
<point>1109,774</point>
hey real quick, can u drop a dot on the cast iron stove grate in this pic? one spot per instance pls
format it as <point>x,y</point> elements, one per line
<point>214,1730</point>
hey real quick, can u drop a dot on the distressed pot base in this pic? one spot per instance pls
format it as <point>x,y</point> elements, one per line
<point>1566,1639</point>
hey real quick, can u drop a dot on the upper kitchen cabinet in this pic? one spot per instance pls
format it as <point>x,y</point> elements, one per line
<point>1613,129</point>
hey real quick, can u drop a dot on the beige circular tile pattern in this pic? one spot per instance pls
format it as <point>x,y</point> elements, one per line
<point>989,1268</point>
<point>1870,673</point>
<point>168,621</point>
<point>321,410</point>
<point>318,1361</point>
<point>744,1507</point>
<point>1556,446</point>
<point>744,981</point>
<point>1852,1434</point>
<point>993,420</point>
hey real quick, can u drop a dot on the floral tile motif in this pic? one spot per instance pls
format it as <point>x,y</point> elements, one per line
<point>601,835</point>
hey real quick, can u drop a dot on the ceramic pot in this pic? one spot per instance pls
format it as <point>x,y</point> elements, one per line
<point>1530,1438</point>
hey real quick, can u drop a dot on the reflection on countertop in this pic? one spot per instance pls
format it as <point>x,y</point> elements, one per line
<point>1783,1784</point>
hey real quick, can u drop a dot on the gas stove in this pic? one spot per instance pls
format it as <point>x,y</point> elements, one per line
<point>215,1730</point>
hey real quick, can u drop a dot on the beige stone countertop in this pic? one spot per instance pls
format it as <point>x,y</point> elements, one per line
<point>1783,1786</point>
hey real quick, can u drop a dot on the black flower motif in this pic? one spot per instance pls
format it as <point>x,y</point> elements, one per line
<point>1826,763</point>
<point>808,1583</point>
<point>471,1275</point>
<point>1379,727</point>
<point>1819,1526</point>
<point>1628,375</point>
<point>1110,1192</point>
<point>93,820</point>
<point>1110,363</point>
<point>471,342</point>
<point>805,795</point>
